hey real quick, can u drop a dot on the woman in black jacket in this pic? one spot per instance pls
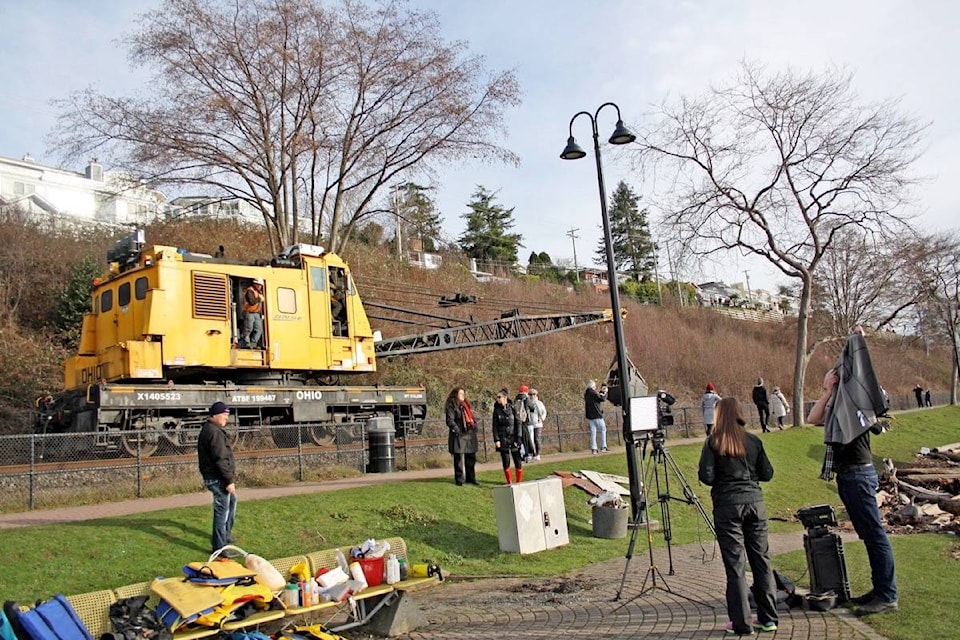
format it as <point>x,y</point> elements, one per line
<point>734,464</point>
<point>507,436</point>
<point>462,441</point>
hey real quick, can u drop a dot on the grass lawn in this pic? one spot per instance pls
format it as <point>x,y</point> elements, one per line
<point>455,527</point>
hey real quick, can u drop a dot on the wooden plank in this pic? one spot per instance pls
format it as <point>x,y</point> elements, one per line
<point>568,479</point>
<point>597,478</point>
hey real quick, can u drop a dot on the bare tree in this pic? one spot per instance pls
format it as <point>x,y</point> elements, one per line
<point>778,165</point>
<point>938,271</point>
<point>865,280</point>
<point>304,109</point>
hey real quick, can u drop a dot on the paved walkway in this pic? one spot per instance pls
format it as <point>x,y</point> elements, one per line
<point>580,605</point>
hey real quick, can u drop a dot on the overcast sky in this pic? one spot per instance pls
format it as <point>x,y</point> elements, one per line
<point>569,55</point>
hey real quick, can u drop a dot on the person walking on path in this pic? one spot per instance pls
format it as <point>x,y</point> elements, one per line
<point>733,463</point>
<point>462,439</point>
<point>252,315</point>
<point>707,404</point>
<point>851,401</point>
<point>507,436</point>
<point>539,417</point>
<point>779,407</point>
<point>763,404</point>
<point>926,398</point>
<point>218,469</point>
<point>918,393</point>
<point>592,401</point>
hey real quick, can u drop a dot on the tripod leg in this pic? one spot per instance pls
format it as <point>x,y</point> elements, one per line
<point>626,565</point>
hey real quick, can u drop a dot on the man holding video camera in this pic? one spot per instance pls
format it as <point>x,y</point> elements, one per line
<point>593,410</point>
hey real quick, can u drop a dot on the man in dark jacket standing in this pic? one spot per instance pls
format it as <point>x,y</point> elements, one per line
<point>218,469</point>
<point>763,404</point>
<point>592,409</point>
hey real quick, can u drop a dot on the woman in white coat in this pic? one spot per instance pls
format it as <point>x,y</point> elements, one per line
<point>779,406</point>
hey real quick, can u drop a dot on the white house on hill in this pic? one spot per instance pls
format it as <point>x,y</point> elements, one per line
<point>93,196</point>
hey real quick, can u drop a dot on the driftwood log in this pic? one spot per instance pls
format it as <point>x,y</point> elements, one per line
<point>919,493</point>
<point>950,505</point>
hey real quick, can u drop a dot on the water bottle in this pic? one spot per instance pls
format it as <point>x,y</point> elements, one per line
<point>342,561</point>
<point>403,568</point>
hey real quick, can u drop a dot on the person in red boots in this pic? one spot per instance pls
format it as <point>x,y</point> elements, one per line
<point>506,435</point>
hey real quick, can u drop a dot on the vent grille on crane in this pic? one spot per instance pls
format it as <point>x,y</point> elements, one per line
<point>210,298</point>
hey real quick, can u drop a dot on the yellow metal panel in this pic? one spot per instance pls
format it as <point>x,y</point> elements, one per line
<point>88,335</point>
<point>79,371</point>
<point>144,360</point>
<point>155,313</point>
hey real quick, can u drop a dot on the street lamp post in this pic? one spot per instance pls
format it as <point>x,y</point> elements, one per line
<point>621,135</point>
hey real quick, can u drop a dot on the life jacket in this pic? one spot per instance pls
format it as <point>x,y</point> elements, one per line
<point>256,307</point>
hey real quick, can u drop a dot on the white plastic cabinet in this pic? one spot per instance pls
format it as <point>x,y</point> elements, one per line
<point>531,516</point>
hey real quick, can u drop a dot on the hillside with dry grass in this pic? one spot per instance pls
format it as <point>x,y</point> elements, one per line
<point>677,349</point>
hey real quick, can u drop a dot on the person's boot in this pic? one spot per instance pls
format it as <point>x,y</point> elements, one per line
<point>519,475</point>
<point>506,473</point>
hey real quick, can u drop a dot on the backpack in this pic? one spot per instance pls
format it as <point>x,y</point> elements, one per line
<point>520,405</point>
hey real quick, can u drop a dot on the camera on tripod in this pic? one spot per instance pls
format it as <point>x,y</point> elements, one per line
<point>816,519</point>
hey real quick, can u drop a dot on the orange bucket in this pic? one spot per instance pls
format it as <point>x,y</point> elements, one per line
<point>372,570</point>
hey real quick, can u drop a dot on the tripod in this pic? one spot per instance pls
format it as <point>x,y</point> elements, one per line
<point>660,456</point>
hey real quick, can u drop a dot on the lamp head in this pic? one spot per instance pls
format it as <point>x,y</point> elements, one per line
<point>621,135</point>
<point>572,151</point>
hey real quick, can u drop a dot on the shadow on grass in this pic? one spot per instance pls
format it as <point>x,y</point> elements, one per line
<point>178,534</point>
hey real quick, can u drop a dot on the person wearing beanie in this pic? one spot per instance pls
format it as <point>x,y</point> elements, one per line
<point>526,410</point>
<point>218,469</point>
<point>507,436</point>
<point>762,401</point>
<point>707,403</point>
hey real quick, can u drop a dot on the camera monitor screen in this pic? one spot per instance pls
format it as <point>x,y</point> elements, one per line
<point>643,414</point>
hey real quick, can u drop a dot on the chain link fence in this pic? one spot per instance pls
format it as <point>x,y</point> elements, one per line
<point>48,471</point>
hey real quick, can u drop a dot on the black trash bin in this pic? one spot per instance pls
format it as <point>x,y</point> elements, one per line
<point>380,439</point>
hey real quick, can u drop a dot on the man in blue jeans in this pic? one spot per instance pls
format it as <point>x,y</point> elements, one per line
<point>592,399</point>
<point>218,469</point>
<point>857,483</point>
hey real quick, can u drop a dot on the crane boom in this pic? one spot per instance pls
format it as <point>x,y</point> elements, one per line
<point>511,327</point>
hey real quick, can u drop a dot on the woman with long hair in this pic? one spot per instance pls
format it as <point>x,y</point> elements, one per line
<point>462,440</point>
<point>506,435</point>
<point>733,463</point>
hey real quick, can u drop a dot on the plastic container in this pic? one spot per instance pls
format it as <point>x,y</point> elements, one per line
<point>393,569</point>
<point>373,569</point>
<point>610,522</point>
<point>342,561</point>
<point>356,572</point>
<point>403,568</point>
<point>291,595</point>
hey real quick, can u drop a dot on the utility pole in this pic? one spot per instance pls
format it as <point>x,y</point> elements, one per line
<point>656,273</point>
<point>572,234</point>
<point>396,208</point>
<point>746,274</point>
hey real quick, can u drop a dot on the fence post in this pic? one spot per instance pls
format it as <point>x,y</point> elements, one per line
<point>556,419</point>
<point>31,493</point>
<point>300,472</point>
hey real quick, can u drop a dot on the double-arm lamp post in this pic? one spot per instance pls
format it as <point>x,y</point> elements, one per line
<point>573,151</point>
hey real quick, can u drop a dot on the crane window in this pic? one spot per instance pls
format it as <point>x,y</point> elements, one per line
<point>286,300</point>
<point>123,294</point>
<point>140,287</point>
<point>106,301</point>
<point>318,278</point>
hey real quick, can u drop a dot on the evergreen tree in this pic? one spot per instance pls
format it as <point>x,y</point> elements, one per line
<point>419,217</point>
<point>633,247</point>
<point>486,237</point>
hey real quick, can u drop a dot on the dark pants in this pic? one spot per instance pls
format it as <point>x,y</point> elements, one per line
<point>506,454</point>
<point>537,431</point>
<point>763,410</point>
<point>464,468</point>
<point>742,536</point>
<point>858,491</point>
<point>224,512</point>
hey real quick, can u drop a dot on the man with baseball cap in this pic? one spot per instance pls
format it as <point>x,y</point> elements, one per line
<point>218,469</point>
